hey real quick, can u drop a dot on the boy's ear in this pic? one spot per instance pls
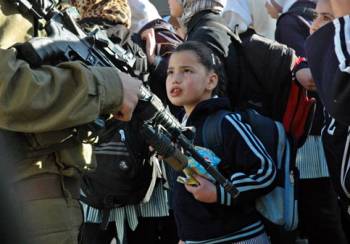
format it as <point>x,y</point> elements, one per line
<point>213,81</point>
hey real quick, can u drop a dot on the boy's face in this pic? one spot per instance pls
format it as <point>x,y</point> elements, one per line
<point>188,81</point>
<point>324,15</point>
<point>175,8</point>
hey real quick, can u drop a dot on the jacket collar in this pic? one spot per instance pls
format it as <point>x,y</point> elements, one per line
<point>209,106</point>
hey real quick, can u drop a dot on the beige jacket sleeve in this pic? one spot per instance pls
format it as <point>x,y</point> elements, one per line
<point>49,98</point>
<point>54,98</point>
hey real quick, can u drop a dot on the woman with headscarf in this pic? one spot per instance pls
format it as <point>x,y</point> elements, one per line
<point>196,17</point>
<point>240,15</point>
<point>142,12</point>
<point>316,192</point>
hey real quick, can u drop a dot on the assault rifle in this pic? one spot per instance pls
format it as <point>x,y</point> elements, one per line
<point>67,41</point>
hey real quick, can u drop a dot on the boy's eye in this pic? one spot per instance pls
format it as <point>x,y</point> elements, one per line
<point>326,18</point>
<point>169,72</point>
<point>187,70</point>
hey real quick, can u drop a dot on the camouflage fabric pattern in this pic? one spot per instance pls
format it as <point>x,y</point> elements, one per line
<point>114,11</point>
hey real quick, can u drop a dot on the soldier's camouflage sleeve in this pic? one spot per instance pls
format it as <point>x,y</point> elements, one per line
<point>54,98</point>
<point>49,98</point>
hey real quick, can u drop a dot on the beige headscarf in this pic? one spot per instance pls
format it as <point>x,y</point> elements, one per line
<point>142,12</point>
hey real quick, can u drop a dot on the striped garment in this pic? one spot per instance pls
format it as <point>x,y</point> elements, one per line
<point>236,238</point>
<point>195,218</point>
<point>156,202</point>
<point>328,55</point>
<point>246,183</point>
<point>342,42</point>
<point>156,207</point>
<point>311,159</point>
<point>342,51</point>
<point>345,167</point>
<point>266,173</point>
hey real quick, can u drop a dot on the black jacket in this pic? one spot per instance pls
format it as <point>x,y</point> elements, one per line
<point>329,59</point>
<point>293,27</point>
<point>328,55</point>
<point>243,161</point>
<point>334,139</point>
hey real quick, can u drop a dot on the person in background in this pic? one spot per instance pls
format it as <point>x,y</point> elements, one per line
<point>327,52</point>
<point>142,13</point>
<point>159,40</point>
<point>240,15</point>
<point>177,26</point>
<point>336,98</point>
<point>317,198</point>
<point>323,15</point>
<point>147,218</point>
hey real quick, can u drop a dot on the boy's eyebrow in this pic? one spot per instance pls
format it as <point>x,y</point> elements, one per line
<point>186,66</point>
<point>326,13</point>
<point>181,67</point>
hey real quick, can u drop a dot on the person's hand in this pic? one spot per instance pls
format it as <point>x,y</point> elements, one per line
<point>181,242</point>
<point>131,91</point>
<point>204,192</point>
<point>148,36</point>
<point>304,77</point>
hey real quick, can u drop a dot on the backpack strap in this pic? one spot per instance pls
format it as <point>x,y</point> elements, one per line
<point>274,138</point>
<point>263,129</point>
<point>212,131</point>
<point>281,146</point>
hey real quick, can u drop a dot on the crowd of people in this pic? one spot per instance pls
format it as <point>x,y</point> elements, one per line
<point>60,186</point>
